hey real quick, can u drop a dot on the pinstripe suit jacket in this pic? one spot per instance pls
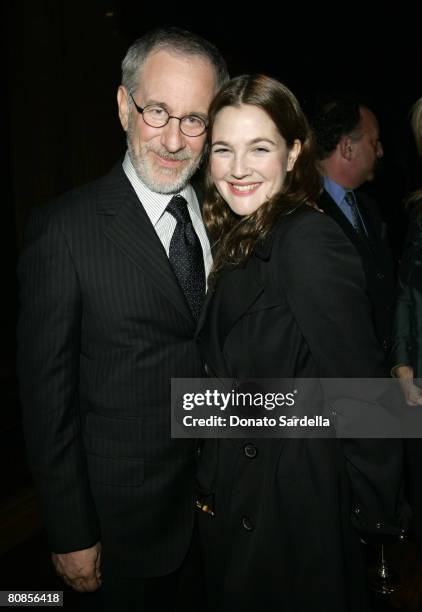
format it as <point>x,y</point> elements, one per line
<point>103,327</point>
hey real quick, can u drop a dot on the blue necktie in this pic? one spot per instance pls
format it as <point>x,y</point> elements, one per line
<point>356,218</point>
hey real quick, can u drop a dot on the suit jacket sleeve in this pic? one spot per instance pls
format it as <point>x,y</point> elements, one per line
<point>325,287</point>
<point>49,332</point>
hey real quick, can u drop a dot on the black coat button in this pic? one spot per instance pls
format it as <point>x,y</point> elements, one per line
<point>250,451</point>
<point>247,523</point>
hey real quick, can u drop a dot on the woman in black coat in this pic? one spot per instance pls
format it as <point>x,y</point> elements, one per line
<point>287,299</point>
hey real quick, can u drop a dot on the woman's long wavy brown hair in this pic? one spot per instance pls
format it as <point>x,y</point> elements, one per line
<point>237,235</point>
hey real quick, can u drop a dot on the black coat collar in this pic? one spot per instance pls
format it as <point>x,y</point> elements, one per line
<point>237,289</point>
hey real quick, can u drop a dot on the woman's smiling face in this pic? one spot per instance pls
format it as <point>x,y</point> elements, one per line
<point>249,157</point>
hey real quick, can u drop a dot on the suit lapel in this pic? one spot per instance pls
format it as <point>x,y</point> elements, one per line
<point>132,232</point>
<point>328,205</point>
<point>202,317</point>
<point>367,219</point>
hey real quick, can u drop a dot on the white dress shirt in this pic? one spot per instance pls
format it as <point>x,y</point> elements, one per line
<point>164,223</point>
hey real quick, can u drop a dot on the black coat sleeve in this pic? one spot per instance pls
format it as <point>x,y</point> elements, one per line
<point>48,370</point>
<point>325,286</point>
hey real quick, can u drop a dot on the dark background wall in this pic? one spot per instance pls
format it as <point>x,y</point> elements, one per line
<point>64,56</point>
<point>59,126</point>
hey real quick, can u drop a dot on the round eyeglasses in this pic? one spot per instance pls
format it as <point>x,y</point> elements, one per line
<point>157,117</point>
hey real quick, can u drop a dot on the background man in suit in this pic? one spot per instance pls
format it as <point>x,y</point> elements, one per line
<point>348,145</point>
<point>112,280</point>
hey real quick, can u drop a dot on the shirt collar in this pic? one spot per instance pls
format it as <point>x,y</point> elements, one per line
<point>336,191</point>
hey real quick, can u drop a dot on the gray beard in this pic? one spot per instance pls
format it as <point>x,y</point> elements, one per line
<point>176,179</point>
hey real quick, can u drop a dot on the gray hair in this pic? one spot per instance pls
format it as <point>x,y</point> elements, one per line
<point>176,40</point>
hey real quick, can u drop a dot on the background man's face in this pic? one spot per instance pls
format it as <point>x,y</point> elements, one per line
<point>164,158</point>
<point>368,147</point>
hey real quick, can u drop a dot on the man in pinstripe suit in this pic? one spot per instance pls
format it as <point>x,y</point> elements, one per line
<point>104,325</point>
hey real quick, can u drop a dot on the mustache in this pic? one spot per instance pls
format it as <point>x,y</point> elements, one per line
<point>177,156</point>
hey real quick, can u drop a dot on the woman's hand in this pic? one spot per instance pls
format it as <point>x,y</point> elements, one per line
<point>412,393</point>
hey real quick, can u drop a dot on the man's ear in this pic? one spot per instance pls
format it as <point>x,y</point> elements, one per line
<point>123,106</point>
<point>346,148</point>
<point>293,154</point>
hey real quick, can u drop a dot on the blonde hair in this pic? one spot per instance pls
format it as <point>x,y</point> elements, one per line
<point>414,201</point>
<point>416,123</point>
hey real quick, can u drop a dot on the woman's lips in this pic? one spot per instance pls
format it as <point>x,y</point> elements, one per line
<point>243,189</point>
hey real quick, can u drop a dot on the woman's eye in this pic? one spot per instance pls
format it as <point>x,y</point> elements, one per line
<point>220,150</point>
<point>261,150</point>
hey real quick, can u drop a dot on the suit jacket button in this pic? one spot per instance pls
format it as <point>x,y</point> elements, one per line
<point>207,370</point>
<point>250,451</point>
<point>380,275</point>
<point>247,523</point>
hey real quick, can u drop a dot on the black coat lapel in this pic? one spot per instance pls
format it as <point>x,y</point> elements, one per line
<point>240,286</point>
<point>132,232</point>
<point>235,292</point>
